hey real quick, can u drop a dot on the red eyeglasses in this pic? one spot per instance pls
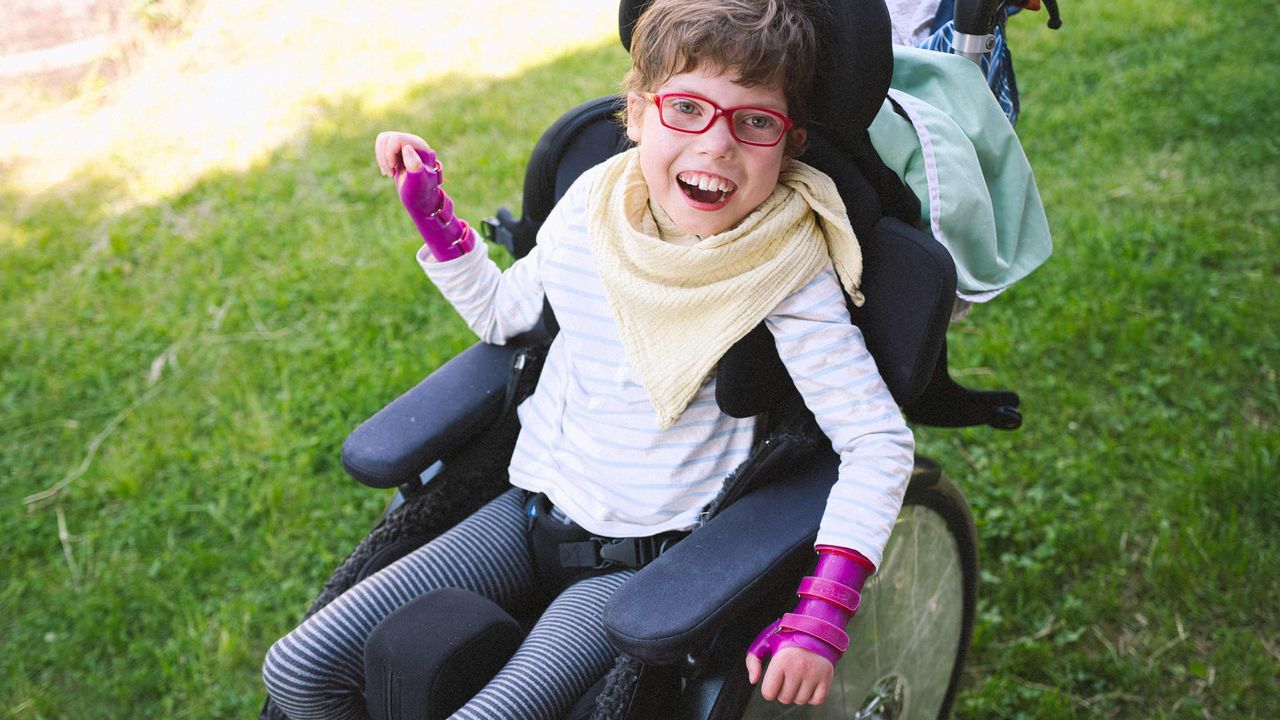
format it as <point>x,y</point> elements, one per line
<point>748,125</point>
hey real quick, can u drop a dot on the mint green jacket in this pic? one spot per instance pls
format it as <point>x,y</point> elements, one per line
<point>959,154</point>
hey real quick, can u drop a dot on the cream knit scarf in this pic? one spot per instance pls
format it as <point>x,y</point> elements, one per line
<point>680,308</point>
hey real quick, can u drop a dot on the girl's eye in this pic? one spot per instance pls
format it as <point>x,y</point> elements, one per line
<point>760,122</point>
<point>685,107</point>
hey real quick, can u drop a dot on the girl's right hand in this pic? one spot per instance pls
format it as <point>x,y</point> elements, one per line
<point>417,181</point>
<point>391,151</point>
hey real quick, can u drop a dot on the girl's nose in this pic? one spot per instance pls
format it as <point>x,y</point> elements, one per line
<point>717,140</point>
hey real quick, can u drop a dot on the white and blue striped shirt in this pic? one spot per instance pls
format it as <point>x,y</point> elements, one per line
<point>590,438</point>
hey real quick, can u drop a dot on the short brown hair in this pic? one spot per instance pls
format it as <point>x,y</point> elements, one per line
<point>769,43</point>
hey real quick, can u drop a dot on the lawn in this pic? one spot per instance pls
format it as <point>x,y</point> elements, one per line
<point>184,350</point>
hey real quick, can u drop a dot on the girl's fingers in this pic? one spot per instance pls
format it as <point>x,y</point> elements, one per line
<point>789,689</point>
<point>378,146</point>
<point>773,678</point>
<point>805,692</point>
<point>389,151</point>
<point>753,668</point>
<point>820,693</point>
<point>412,162</point>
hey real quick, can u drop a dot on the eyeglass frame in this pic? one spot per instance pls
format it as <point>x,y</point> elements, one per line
<point>787,123</point>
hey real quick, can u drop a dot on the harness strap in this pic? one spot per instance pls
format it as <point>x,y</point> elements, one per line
<point>599,552</point>
<point>564,550</point>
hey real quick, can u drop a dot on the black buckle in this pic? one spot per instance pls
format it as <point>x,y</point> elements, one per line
<point>599,553</point>
<point>630,552</point>
<point>585,554</point>
<point>500,229</point>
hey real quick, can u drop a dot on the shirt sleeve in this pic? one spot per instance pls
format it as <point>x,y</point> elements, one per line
<point>499,305</point>
<point>828,360</point>
<point>496,305</point>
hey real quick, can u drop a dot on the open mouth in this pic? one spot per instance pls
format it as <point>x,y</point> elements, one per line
<point>704,188</point>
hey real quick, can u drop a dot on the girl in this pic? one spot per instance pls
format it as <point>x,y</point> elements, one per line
<point>655,263</point>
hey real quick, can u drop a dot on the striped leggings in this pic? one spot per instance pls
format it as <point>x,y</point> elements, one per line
<point>317,671</point>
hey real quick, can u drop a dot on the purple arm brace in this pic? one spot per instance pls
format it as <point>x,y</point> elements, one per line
<point>446,235</point>
<point>828,598</point>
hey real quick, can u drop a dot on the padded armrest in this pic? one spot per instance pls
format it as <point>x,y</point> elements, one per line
<point>419,427</point>
<point>679,600</point>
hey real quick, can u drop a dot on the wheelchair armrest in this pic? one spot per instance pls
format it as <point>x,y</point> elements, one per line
<point>680,599</point>
<point>453,403</point>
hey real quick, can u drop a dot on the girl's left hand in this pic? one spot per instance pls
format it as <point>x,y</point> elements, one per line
<point>795,675</point>
<point>392,151</point>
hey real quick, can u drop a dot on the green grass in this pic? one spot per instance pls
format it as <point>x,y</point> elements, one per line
<point>185,372</point>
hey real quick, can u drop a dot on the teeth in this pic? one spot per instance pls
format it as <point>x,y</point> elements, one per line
<point>704,181</point>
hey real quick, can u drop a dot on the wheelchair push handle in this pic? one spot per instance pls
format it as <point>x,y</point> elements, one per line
<point>980,17</point>
<point>976,20</point>
<point>1055,17</point>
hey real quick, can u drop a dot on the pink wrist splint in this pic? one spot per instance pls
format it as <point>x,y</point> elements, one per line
<point>828,599</point>
<point>429,206</point>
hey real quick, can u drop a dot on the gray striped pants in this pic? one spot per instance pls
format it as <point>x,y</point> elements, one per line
<point>317,671</point>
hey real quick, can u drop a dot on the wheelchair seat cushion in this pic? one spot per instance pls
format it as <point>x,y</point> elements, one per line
<point>426,659</point>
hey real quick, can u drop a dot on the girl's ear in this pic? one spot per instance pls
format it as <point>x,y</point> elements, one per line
<point>635,115</point>
<point>796,140</point>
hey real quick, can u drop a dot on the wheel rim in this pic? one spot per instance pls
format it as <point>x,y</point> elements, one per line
<point>904,641</point>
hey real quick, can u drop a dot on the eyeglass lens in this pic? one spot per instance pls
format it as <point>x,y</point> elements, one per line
<point>695,115</point>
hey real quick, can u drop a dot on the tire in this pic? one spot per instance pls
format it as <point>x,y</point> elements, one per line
<point>909,641</point>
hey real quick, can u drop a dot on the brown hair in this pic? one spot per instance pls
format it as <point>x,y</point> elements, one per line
<point>769,43</point>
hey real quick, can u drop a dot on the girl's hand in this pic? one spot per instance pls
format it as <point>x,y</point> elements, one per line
<point>806,644</point>
<point>795,675</point>
<point>391,150</point>
<point>418,177</point>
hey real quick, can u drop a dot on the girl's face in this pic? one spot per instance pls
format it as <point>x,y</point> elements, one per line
<point>706,182</point>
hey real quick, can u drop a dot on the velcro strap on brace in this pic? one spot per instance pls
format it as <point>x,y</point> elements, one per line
<point>831,591</point>
<point>443,225</point>
<point>821,629</point>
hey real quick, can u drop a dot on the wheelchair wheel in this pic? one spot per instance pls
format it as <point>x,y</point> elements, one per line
<point>908,643</point>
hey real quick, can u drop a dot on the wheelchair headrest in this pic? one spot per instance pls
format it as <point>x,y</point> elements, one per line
<point>855,61</point>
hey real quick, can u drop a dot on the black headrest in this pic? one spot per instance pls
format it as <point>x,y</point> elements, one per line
<point>855,60</point>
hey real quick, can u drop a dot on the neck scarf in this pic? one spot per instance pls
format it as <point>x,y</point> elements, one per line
<point>679,307</point>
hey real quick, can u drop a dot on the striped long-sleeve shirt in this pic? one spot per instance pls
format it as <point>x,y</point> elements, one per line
<point>590,438</point>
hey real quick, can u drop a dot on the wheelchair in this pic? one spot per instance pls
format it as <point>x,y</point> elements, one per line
<point>681,629</point>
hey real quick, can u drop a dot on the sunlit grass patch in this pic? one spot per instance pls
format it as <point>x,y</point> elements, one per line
<point>252,75</point>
